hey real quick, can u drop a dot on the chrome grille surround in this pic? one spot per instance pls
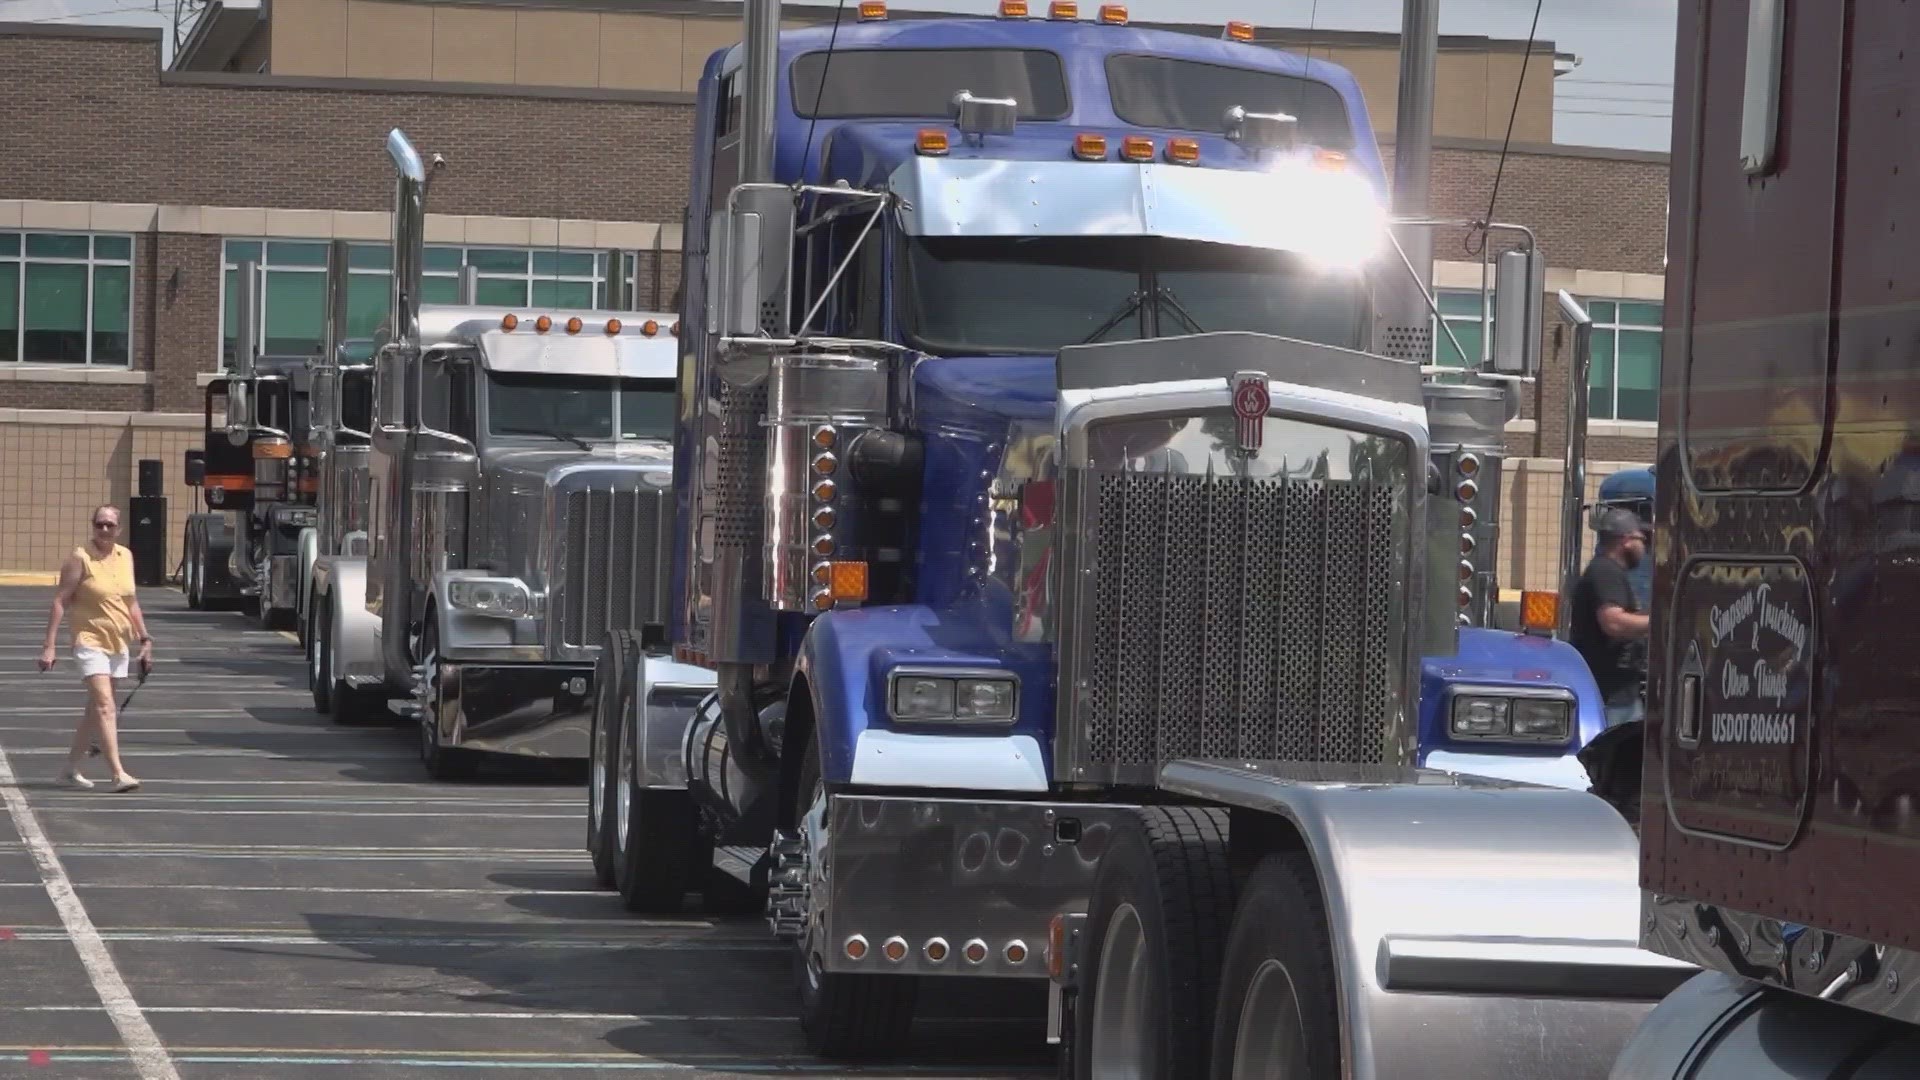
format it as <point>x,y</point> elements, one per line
<point>1252,612</point>
<point>611,566</point>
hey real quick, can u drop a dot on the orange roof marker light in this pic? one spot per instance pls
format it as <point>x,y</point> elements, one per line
<point>1136,148</point>
<point>543,324</point>
<point>1184,151</point>
<point>1063,9</point>
<point>613,326</point>
<point>931,142</point>
<point>1113,14</point>
<point>1539,610</point>
<point>1240,31</point>
<point>650,328</point>
<point>1013,9</point>
<point>1090,147</point>
<point>872,10</point>
<point>509,321</point>
<point>574,324</point>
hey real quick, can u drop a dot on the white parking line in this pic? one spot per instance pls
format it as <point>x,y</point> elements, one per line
<point>148,1053</point>
<point>243,812</point>
<point>340,890</point>
<point>418,1014</point>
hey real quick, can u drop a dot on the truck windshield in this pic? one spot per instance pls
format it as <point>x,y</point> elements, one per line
<point>978,295</point>
<point>922,82</point>
<point>1188,95</point>
<point>570,407</point>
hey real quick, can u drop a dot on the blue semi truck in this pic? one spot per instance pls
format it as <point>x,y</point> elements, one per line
<point>1058,476</point>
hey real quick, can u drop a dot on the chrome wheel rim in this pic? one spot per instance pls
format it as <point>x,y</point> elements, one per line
<point>623,792</point>
<point>597,768</point>
<point>813,847</point>
<point>1126,1007</point>
<point>1267,1044</point>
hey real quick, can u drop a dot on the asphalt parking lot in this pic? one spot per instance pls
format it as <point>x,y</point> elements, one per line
<point>287,898</point>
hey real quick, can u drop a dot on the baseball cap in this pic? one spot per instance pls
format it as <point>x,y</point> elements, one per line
<point>1620,522</point>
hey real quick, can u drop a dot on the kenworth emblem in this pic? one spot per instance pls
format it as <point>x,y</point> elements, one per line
<point>1250,403</point>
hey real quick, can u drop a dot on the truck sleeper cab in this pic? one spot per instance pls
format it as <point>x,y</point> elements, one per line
<point>519,505</point>
<point>1003,489</point>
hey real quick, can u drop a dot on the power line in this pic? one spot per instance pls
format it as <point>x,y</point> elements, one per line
<point>1526,61</point>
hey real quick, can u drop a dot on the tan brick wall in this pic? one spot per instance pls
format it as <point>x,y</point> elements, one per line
<point>54,469</point>
<point>1530,516</point>
<point>89,119</point>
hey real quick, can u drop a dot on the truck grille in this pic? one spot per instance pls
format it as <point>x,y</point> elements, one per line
<point>1239,618</point>
<point>613,567</point>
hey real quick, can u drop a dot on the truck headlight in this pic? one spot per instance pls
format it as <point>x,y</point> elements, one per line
<point>504,597</point>
<point>959,698</point>
<point>1496,717</point>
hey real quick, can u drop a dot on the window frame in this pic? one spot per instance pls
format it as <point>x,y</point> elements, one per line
<point>1440,341</point>
<point>93,260</point>
<point>598,279</point>
<point>1657,329</point>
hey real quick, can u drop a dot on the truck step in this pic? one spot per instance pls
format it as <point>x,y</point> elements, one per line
<point>738,862</point>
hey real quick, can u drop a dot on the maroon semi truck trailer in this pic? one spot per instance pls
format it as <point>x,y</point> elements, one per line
<point>1778,779</point>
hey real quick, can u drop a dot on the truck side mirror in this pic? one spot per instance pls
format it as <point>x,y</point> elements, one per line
<point>239,412</point>
<point>246,301</point>
<point>196,467</point>
<point>750,259</point>
<point>1519,300</point>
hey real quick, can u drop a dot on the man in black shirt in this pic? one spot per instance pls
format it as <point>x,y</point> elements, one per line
<point>1607,626</point>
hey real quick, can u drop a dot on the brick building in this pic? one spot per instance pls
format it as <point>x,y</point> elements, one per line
<point>130,193</point>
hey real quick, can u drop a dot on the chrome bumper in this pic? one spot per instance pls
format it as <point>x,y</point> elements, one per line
<point>521,709</point>
<point>958,872</point>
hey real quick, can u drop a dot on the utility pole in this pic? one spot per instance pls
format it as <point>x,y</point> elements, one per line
<point>1413,129</point>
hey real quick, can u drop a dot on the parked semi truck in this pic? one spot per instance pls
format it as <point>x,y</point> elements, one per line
<point>1774,783</point>
<point>256,478</point>
<point>1069,533</point>
<point>519,508</point>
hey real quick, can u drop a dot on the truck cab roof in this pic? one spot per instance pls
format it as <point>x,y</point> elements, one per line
<point>558,341</point>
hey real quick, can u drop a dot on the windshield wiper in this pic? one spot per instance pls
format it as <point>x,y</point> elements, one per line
<point>1180,310</point>
<point>1134,300</point>
<point>551,433</point>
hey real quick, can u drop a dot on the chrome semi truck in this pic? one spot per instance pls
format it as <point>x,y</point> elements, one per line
<point>518,509</point>
<point>1072,528</point>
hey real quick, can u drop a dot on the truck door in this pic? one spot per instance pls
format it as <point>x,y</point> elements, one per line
<point>1782,731</point>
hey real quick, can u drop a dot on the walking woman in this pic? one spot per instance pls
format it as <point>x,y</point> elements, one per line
<point>97,591</point>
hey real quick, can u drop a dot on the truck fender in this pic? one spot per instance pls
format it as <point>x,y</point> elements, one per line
<point>1717,1025</point>
<point>309,553</point>
<point>356,632</point>
<point>1613,760</point>
<point>1464,915</point>
<point>841,661</point>
<point>666,699</point>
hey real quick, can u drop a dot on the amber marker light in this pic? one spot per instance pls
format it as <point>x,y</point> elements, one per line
<point>1013,9</point>
<point>650,328</point>
<point>1240,31</point>
<point>574,324</point>
<point>509,321</point>
<point>613,326</point>
<point>1539,610</point>
<point>1063,9</point>
<point>872,9</point>
<point>543,324</point>
<point>1090,147</point>
<point>849,581</point>
<point>931,142</point>
<point>1113,14</point>
<point>1136,148</point>
<point>1184,151</point>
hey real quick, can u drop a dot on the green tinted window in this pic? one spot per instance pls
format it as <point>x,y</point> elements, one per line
<point>55,319</point>
<point>112,314</point>
<point>9,311</point>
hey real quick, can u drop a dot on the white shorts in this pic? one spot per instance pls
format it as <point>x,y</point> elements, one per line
<point>95,662</point>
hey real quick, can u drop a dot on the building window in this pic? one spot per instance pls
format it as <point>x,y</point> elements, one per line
<point>293,286</point>
<point>1625,381</point>
<point>1460,310</point>
<point>66,298</point>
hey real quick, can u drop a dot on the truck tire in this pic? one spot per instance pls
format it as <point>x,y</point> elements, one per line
<point>319,672</point>
<point>1277,1013</point>
<point>603,741</point>
<point>1156,932</point>
<point>441,762</point>
<point>660,855</point>
<point>193,580</point>
<point>846,1017</point>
